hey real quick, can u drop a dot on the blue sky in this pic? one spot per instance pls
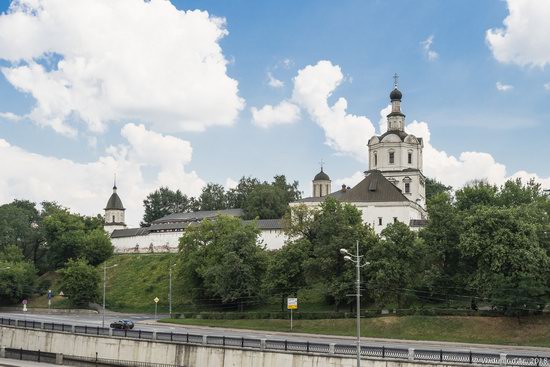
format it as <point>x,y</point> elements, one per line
<point>475,94</point>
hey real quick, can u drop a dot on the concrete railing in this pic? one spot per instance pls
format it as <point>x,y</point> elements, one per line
<point>377,352</point>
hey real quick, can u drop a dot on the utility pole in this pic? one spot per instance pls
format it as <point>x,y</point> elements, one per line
<point>104,288</point>
<point>356,259</point>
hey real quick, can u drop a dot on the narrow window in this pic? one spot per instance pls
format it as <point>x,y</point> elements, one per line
<point>375,159</point>
<point>395,219</point>
<point>392,157</point>
<point>410,158</point>
<point>113,218</point>
<point>407,187</point>
<point>321,190</point>
<point>379,221</point>
<point>326,190</point>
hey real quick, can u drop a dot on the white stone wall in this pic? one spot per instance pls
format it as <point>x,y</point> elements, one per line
<point>169,241</point>
<point>388,211</point>
<point>404,211</point>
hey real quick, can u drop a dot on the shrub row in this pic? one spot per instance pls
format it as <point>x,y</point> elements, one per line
<point>331,315</point>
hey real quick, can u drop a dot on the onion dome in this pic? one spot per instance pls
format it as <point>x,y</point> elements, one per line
<point>321,176</point>
<point>396,95</point>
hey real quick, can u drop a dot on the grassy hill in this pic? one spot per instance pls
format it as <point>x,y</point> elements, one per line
<point>136,280</point>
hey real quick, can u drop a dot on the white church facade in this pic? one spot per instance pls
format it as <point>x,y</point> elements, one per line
<point>392,190</point>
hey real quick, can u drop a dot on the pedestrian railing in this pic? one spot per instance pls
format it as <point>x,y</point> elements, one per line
<point>383,352</point>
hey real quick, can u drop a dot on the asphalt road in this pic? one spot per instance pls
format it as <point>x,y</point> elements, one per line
<point>147,322</point>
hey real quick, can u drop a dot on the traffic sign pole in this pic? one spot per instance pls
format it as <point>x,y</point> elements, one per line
<point>156,303</point>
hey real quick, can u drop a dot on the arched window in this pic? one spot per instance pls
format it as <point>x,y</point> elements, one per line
<point>375,159</point>
<point>410,157</point>
<point>392,157</point>
<point>114,219</point>
<point>407,187</point>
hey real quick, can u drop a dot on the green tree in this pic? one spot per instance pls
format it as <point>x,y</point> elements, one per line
<point>442,237</point>
<point>511,268</point>
<point>237,196</point>
<point>265,202</point>
<point>285,271</point>
<point>292,193</point>
<point>331,227</point>
<point>163,202</point>
<point>221,262</point>
<point>434,187</point>
<point>97,247</point>
<point>17,276</point>
<point>396,263</point>
<point>213,197</point>
<point>80,282</point>
<point>476,193</point>
<point>65,234</point>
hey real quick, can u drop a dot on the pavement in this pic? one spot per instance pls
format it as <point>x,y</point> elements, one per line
<point>147,322</point>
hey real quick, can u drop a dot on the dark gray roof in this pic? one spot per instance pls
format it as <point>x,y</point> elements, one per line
<point>418,222</point>
<point>264,224</point>
<point>321,176</point>
<point>196,216</point>
<point>374,188</point>
<point>114,202</point>
<point>336,195</point>
<point>268,223</point>
<point>402,135</point>
<point>129,232</point>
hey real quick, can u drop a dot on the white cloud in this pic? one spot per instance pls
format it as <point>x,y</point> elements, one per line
<point>284,113</point>
<point>546,86</point>
<point>119,60</point>
<point>274,82</point>
<point>344,132</point>
<point>430,54</point>
<point>349,134</point>
<point>501,87</point>
<point>85,187</point>
<point>524,38</point>
<point>230,183</point>
<point>10,116</point>
<point>348,181</point>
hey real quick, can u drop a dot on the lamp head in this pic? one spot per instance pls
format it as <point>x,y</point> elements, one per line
<point>343,251</point>
<point>347,258</point>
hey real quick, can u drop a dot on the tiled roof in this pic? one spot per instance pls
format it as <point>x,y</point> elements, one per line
<point>374,188</point>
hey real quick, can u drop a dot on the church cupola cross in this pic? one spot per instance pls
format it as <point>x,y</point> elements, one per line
<point>395,80</point>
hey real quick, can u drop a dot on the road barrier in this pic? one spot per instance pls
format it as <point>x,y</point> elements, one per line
<point>383,352</point>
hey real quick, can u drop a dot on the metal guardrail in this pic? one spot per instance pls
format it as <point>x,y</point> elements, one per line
<point>383,352</point>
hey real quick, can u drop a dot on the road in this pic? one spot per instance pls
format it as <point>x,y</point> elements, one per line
<point>147,323</point>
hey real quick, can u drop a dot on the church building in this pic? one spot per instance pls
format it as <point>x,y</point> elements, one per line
<point>394,186</point>
<point>392,190</point>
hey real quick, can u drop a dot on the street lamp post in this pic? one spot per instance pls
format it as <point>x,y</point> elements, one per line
<point>104,287</point>
<point>170,291</point>
<point>356,259</point>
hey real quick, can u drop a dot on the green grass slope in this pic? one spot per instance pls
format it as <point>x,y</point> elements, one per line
<point>136,280</point>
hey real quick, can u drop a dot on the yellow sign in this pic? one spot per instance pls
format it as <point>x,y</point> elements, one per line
<point>292,303</point>
<point>156,300</point>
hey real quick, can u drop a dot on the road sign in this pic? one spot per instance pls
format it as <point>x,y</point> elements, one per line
<point>24,302</point>
<point>61,293</point>
<point>156,300</point>
<point>292,303</point>
<point>50,294</point>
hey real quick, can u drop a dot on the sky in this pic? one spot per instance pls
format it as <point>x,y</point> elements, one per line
<point>183,93</point>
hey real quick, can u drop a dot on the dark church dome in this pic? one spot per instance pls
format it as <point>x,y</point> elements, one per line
<point>114,202</point>
<point>395,94</point>
<point>321,176</point>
